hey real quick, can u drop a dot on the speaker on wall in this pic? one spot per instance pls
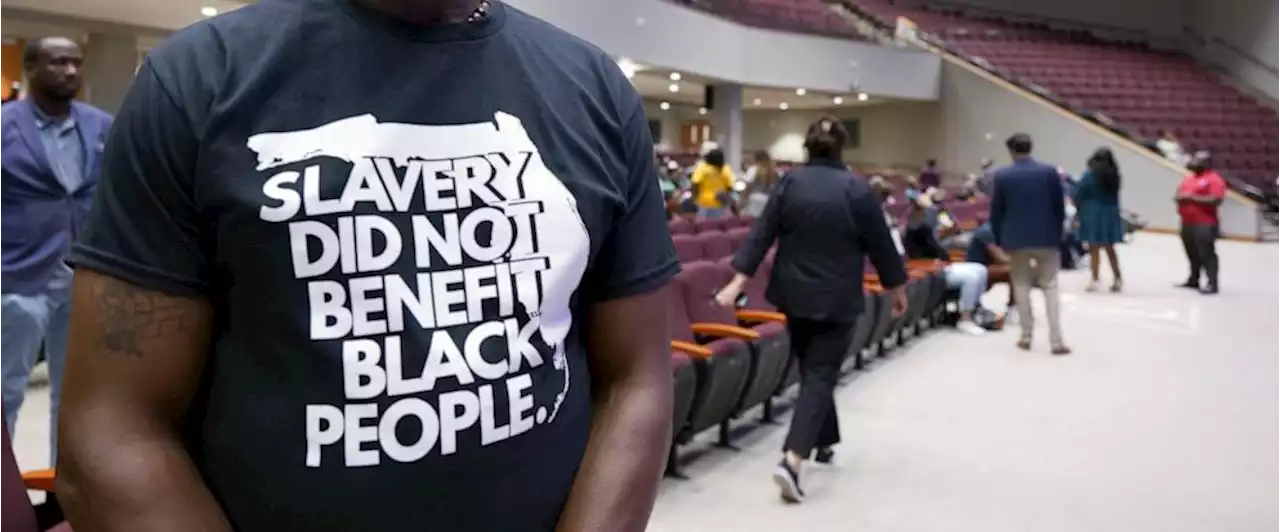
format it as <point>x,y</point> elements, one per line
<point>709,97</point>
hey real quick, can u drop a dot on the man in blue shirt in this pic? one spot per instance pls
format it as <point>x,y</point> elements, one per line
<point>372,265</point>
<point>50,165</point>
<point>1027,217</point>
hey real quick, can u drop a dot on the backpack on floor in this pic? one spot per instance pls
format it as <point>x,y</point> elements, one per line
<point>988,319</point>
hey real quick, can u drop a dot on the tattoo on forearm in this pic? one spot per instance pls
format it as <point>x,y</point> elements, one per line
<point>129,316</point>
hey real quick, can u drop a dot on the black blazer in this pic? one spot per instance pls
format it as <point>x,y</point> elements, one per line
<point>824,220</point>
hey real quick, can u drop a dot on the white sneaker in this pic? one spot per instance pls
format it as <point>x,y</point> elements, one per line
<point>969,327</point>
<point>1091,287</point>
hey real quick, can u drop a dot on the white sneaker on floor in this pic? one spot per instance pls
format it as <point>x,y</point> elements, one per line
<point>1091,287</point>
<point>969,327</point>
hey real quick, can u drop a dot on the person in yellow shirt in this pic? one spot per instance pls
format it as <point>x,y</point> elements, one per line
<point>713,185</point>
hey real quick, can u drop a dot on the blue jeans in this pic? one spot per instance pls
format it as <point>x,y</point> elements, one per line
<point>713,213</point>
<point>26,322</point>
<point>971,279</point>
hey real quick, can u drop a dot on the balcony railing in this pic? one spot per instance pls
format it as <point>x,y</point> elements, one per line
<point>796,16</point>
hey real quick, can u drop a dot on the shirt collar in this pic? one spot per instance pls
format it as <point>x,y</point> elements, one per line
<point>833,162</point>
<point>44,121</point>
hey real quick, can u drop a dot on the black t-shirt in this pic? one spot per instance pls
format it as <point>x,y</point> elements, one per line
<point>402,230</point>
<point>978,242</point>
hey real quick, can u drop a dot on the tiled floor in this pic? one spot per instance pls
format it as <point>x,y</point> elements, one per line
<point>1165,420</point>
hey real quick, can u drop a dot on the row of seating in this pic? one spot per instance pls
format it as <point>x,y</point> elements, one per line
<point>727,362</point>
<point>1099,78</point>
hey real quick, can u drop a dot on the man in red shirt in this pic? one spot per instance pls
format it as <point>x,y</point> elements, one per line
<point>1198,198</point>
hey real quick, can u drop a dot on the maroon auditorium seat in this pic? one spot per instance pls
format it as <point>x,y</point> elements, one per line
<point>703,225</point>
<point>1140,89</point>
<point>722,362</point>
<point>688,248</point>
<point>19,516</point>
<point>715,245</point>
<point>738,236</point>
<point>680,226</point>
<point>769,345</point>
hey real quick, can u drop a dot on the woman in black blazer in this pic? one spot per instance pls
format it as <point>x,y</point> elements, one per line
<point>824,220</point>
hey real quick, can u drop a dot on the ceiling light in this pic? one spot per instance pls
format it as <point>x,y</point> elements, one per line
<point>674,87</point>
<point>664,106</point>
<point>755,101</point>
<point>783,106</point>
<point>628,67</point>
<point>702,110</point>
<point>837,100</point>
<point>675,76</point>
<point>862,96</point>
<point>209,11</point>
<point>801,92</point>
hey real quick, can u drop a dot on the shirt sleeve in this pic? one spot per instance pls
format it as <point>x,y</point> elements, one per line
<point>763,232</point>
<point>877,242</point>
<point>144,227</point>
<point>637,255</point>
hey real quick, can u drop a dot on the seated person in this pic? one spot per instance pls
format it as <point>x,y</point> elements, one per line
<point>984,250</point>
<point>945,229</point>
<point>970,277</point>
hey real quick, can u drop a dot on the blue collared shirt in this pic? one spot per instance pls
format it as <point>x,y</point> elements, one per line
<point>64,149</point>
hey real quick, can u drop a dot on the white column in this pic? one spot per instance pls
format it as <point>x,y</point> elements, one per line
<point>110,61</point>
<point>726,123</point>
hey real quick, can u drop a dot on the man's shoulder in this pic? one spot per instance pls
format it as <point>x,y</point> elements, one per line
<point>526,26</point>
<point>586,63</point>
<point>10,110</point>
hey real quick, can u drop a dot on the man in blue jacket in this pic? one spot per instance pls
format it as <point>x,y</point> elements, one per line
<point>50,166</point>
<point>1027,215</point>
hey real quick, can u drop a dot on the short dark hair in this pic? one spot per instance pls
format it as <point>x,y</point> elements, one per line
<point>715,157</point>
<point>31,52</point>
<point>826,137</point>
<point>1019,144</point>
<point>34,47</point>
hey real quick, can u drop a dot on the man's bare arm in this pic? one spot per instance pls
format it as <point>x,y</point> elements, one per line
<point>998,254</point>
<point>629,348</point>
<point>134,360</point>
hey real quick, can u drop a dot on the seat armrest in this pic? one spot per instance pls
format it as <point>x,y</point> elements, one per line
<point>39,480</point>
<point>691,349</point>
<point>761,315</point>
<point>928,265</point>
<point>873,287</point>
<point>720,330</point>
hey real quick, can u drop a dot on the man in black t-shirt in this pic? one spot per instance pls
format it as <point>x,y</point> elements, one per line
<point>371,265</point>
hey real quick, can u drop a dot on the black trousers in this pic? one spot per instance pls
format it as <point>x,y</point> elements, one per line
<point>1199,241</point>
<point>819,348</point>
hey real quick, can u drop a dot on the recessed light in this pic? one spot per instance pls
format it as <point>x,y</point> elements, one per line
<point>702,110</point>
<point>801,92</point>
<point>675,76</point>
<point>783,106</point>
<point>837,100</point>
<point>209,11</point>
<point>674,87</point>
<point>664,106</point>
<point>755,101</point>
<point>862,96</point>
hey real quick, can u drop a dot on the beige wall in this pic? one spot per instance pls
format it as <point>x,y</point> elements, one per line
<point>897,133</point>
<point>1249,28</point>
